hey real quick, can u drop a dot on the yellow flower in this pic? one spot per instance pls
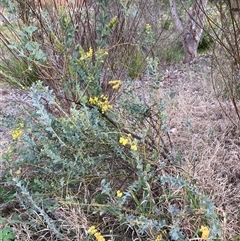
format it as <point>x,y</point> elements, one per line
<point>147,26</point>
<point>205,232</point>
<point>90,52</point>
<point>92,230</point>
<point>134,147</point>
<point>18,172</point>
<point>104,107</point>
<point>74,117</point>
<point>16,134</point>
<point>104,104</point>
<point>87,54</point>
<point>164,231</point>
<point>119,193</point>
<point>123,141</point>
<point>93,101</point>
<point>97,234</point>
<point>159,237</point>
<point>101,102</point>
<point>115,84</point>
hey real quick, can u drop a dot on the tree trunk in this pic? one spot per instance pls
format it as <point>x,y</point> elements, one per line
<point>191,31</point>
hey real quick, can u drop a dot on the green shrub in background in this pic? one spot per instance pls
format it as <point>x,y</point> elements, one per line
<point>174,54</point>
<point>49,41</point>
<point>206,42</point>
<point>92,142</point>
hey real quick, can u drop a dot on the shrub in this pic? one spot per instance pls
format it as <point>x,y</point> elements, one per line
<point>49,43</point>
<point>205,43</point>
<point>112,164</point>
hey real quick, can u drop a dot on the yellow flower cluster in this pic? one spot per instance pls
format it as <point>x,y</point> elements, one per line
<point>87,54</point>
<point>159,237</point>
<point>92,230</point>
<point>148,27</point>
<point>128,140</point>
<point>102,102</point>
<point>16,134</point>
<point>115,84</point>
<point>205,232</point>
<point>93,100</point>
<point>119,193</point>
<point>123,141</point>
<point>134,147</point>
<point>18,172</point>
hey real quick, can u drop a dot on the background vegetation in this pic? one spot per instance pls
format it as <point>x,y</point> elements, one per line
<point>90,156</point>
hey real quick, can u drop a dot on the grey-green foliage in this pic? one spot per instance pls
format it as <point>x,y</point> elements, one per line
<point>77,138</point>
<point>195,200</point>
<point>27,48</point>
<point>6,234</point>
<point>26,200</point>
<point>66,151</point>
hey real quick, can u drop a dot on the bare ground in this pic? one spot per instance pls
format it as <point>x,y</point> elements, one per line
<point>208,140</point>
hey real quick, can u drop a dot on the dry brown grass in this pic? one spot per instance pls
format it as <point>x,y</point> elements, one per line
<point>209,141</point>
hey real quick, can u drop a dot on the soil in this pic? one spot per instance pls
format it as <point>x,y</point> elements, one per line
<point>197,125</point>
